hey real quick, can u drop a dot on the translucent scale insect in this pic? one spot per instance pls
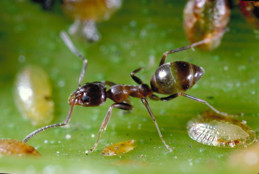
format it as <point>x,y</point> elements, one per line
<point>171,79</point>
<point>216,130</point>
<point>33,94</point>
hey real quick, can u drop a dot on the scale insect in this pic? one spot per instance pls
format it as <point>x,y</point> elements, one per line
<point>33,95</point>
<point>10,147</point>
<point>86,13</point>
<point>220,131</point>
<point>171,79</point>
<point>119,148</point>
<point>206,19</point>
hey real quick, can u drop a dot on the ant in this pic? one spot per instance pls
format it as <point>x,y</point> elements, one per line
<point>172,79</point>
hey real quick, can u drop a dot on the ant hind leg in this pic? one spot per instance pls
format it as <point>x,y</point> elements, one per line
<point>206,103</point>
<point>162,61</point>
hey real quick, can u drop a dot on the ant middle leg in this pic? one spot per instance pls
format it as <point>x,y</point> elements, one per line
<point>123,106</point>
<point>145,102</point>
<point>135,78</point>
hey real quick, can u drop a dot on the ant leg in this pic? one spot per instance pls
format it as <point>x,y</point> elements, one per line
<point>154,97</point>
<point>73,49</point>
<point>144,101</point>
<point>206,103</point>
<point>162,61</point>
<point>193,98</point>
<point>170,97</point>
<point>109,83</point>
<point>135,78</point>
<point>106,120</point>
<point>50,126</point>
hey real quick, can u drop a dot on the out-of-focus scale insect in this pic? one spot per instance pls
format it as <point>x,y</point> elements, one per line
<point>9,147</point>
<point>119,148</point>
<point>245,160</point>
<point>86,13</point>
<point>217,130</point>
<point>250,10</point>
<point>33,95</point>
<point>206,19</point>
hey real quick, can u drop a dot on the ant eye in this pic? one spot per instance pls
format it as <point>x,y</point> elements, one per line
<point>85,98</point>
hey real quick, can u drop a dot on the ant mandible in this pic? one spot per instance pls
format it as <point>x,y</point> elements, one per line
<point>172,79</point>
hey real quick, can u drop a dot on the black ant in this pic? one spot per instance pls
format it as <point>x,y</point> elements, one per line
<point>173,79</point>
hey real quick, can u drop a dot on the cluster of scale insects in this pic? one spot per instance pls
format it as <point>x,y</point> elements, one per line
<point>172,79</point>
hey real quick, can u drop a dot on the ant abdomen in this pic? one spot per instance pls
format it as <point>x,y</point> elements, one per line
<point>174,77</point>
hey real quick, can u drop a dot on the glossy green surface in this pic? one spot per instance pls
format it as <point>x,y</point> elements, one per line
<point>135,36</point>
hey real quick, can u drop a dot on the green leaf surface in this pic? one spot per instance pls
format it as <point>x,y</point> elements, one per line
<point>135,36</point>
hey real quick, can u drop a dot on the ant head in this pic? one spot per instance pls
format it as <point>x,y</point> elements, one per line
<point>90,94</point>
<point>174,77</point>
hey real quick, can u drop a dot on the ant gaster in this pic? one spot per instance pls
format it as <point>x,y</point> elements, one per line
<point>172,79</point>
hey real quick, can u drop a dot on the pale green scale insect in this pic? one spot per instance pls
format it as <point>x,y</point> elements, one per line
<point>33,95</point>
<point>216,130</point>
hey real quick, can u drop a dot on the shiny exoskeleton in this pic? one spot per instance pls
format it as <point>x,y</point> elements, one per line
<point>172,79</point>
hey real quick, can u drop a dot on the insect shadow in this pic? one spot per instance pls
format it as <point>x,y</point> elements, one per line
<point>171,79</point>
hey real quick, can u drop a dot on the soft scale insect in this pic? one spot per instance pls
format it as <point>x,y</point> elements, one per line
<point>10,147</point>
<point>172,79</point>
<point>33,95</point>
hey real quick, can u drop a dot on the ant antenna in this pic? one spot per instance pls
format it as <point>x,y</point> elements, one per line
<point>51,126</point>
<point>71,46</point>
<point>73,49</point>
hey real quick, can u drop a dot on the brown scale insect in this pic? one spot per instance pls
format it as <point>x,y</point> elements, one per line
<point>14,147</point>
<point>250,9</point>
<point>171,79</point>
<point>206,19</point>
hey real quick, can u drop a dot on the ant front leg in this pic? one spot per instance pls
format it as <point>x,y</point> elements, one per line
<point>124,106</point>
<point>162,61</point>
<point>144,101</point>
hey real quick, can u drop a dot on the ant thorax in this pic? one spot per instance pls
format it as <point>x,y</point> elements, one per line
<point>121,93</point>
